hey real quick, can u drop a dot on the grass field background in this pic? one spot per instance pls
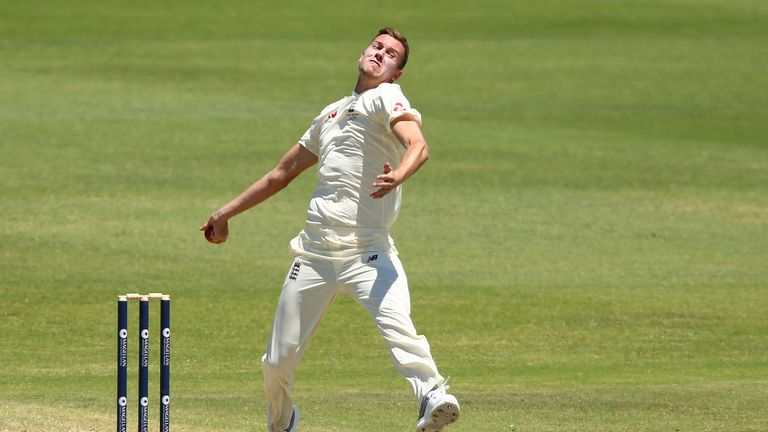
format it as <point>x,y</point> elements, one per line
<point>586,248</point>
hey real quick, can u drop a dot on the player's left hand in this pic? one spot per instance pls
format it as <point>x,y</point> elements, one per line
<point>386,182</point>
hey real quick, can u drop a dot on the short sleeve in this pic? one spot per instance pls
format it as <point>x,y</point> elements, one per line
<point>394,104</point>
<point>310,138</point>
<point>309,143</point>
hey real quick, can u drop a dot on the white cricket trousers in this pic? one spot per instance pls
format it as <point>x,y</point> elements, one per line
<point>376,280</point>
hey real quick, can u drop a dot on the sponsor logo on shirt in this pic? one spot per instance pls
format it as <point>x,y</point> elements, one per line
<point>398,107</point>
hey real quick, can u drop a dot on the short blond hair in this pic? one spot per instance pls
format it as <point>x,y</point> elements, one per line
<point>400,38</point>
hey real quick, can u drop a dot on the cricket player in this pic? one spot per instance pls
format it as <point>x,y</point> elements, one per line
<point>365,145</point>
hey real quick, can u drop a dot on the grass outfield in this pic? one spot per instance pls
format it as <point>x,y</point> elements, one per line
<point>586,248</point>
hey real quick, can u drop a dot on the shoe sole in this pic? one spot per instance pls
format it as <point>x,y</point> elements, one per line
<point>294,425</point>
<point>442,416</point>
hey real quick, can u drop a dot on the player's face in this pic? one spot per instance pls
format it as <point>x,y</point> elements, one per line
<point>381,60</point>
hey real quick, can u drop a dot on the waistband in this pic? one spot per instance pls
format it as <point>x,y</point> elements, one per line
<point>341,242</point>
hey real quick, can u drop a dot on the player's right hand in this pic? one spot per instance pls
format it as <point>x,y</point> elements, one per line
<point>215,231</point>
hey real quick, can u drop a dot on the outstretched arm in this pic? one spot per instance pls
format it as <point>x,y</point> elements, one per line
<point>293,163</point>
<point>408,132</point>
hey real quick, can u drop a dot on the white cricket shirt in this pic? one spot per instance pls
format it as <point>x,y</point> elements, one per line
<point>353,139</point>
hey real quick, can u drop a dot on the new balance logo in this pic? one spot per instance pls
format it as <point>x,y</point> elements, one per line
<point>371,258</point>
<point>294,273</point>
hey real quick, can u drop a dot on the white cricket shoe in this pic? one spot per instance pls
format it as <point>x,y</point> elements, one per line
<point>438,409</point>
<point>293,426</point>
